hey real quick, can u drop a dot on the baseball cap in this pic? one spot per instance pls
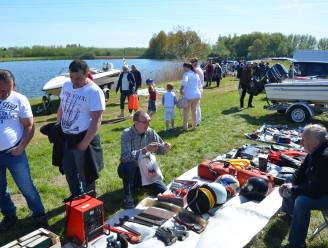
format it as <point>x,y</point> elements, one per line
<point>149,81</point>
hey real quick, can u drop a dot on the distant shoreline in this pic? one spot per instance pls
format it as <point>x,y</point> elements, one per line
<point>64,58</point>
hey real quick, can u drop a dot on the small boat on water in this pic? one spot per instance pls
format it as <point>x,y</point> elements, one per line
<point>310,90</point>
<point>104,77</point>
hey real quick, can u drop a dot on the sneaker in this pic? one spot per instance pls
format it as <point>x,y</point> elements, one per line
<point>8,222</point>
<point>120,116</point>
<point>128,202</point>
<point>41,221</point>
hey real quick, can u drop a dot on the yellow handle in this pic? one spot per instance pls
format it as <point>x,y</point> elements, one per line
<point>239,162</point>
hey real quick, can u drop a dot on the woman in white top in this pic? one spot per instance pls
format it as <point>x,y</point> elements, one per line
<point>191,89</point>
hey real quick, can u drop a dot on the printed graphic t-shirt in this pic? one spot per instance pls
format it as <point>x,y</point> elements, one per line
<point>16,106</point>
<point>77,105</point>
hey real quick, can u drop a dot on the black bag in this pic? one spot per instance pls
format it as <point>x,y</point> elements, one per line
<point>256,87</point>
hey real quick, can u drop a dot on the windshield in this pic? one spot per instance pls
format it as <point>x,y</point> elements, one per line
<point>312,68</point>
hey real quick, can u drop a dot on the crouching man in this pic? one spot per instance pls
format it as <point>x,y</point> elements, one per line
<point>309,188</point>
<point>137,141</point>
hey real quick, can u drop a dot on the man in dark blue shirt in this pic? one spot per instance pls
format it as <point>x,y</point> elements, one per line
<point>309,188</point>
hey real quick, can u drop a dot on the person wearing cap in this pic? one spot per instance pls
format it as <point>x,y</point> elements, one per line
<point>127,86</point>
<point>137,76</point>
<point>136,141</point>
<point>308,189</point>
<point>152,97</point>
<point>17,129</point>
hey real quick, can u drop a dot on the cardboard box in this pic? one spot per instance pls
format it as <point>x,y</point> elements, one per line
<point>32,237</point>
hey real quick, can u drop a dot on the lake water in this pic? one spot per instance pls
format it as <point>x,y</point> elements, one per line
<point>32,75</point>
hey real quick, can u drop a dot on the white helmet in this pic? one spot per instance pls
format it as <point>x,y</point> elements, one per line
<point>220,192</point>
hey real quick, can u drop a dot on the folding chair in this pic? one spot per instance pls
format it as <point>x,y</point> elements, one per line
<point>322,226</point>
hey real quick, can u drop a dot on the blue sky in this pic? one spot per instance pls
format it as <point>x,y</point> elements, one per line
<point>128,23</point>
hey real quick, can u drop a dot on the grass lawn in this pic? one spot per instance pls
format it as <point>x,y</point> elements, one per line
<point>222,129</point>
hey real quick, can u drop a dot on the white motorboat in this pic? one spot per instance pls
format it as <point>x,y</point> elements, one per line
<point>103,77</point>
<point>306,94</point>
<point>311,91</point>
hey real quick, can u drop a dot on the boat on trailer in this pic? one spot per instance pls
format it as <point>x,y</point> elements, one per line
<point>105,78</point>
<point>298,99</point>
<point>310,90</point>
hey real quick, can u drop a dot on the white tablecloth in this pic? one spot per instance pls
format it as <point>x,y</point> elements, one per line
<point>233,225</point>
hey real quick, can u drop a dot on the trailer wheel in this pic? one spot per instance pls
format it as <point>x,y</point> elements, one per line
<point>298,114</point>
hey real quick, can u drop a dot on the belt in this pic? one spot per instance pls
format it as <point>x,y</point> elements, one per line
<point>6,150</point>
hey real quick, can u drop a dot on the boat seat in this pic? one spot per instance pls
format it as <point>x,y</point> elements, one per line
<point>321,226</point>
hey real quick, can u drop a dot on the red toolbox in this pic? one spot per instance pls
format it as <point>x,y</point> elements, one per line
<point>211,170</point>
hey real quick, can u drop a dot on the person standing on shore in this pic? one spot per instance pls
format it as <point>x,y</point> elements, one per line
<point>17,129</point>
<point>127,86</point>
<point>169,100</point>
<point>200,73</point>
<point>82,103</point>
<point>137,76</point>
<point>191,89</point>
<point>152,97</point>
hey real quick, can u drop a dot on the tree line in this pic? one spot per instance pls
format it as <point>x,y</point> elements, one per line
<point>69,51</point>
<point>261,45</point>
<point>183,43</point>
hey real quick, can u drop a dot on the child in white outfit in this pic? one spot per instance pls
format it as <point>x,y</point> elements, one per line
<point>169,100</point>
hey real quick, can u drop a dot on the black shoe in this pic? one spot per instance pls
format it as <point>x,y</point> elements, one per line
<point>41,221</point>
<point>128,202</point>
<point>251,106</point>
<point>8,222</point>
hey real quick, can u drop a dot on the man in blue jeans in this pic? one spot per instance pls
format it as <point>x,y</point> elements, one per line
<point>136,140</point>
<point>17,129</point>
<point>309,188</point>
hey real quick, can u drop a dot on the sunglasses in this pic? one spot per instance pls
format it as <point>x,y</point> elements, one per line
<point>145,122</point>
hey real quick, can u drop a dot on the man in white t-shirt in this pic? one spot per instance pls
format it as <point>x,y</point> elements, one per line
<point>17,129</point>
<point>200,73</point>
<point>82,103</point>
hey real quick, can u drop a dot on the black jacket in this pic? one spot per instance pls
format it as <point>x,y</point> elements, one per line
<point>94,154</point>
<point>311,178</point>
<point>137,78</point>
<point>56,137</point>
<point>245,77</point>
<point>132,83</point>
